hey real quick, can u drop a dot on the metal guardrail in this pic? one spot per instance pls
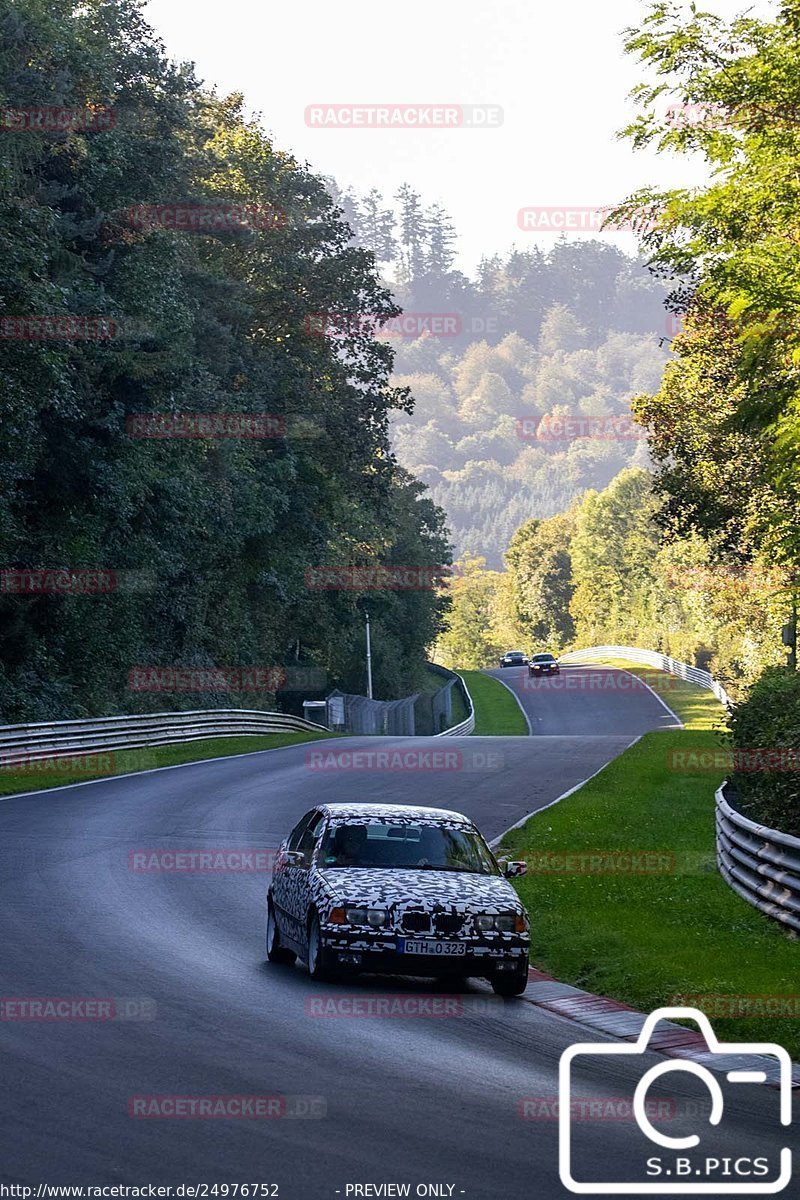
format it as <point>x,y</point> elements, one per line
<point>467,726</point>
<point>24,743</point>
<point>49,739</point>
<point>651,658</point>
<point>762,865</point>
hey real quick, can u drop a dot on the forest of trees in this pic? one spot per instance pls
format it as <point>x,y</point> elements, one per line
<point>701,557</point>
<point>208,541</point>
<point>505,432</point>
<point>573,332</point>
<point>689,542</point>
<point>605,572</point>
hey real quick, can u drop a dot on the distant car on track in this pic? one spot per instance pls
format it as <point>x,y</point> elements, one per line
<point>543,664</point>
<point>514,658</point>
<point>397,889</point>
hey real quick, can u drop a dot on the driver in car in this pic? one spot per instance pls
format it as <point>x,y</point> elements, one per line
<point>349,844</point>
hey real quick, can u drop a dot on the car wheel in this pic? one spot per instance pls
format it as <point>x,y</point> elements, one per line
<point>511,983</point>
<point>318,967</point>
<point>276,953</point>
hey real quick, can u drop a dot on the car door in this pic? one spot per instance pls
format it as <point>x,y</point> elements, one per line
<point>298,879</point>
<point>282,877</point>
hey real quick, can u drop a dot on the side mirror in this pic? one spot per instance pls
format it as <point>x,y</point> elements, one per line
<point>513,869</point>
<point>293,858</point>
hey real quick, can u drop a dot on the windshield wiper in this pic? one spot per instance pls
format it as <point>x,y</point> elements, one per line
<point>436,867</point>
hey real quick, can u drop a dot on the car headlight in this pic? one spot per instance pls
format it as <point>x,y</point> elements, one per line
<point>505,922</point>
<point>502,923</point>
<point>376,917</point>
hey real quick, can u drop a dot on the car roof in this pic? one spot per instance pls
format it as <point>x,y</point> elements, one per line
<point>403,812</point>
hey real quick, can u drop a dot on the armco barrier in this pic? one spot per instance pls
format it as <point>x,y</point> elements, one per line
<point>761,864</point>
<point>650,658</point>
<point>21,743</point>
<point>24,743</point>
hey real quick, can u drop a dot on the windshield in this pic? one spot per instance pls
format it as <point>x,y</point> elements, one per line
<point>395,846</point>
<point>543,658</point>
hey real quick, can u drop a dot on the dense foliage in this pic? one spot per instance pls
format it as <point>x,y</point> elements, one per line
<point>568,332</point>
<point>606,290</point>
<point>212,538</point>
<point>604,572</point>
<point>729,92</point>
<point>765,732</point>
<point>724,426</point>
<point>505,432</point>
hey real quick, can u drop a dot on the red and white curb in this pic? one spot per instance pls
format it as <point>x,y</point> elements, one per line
<point>619,1021</point>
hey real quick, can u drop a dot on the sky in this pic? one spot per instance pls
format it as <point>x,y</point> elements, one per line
<point>552,77</point>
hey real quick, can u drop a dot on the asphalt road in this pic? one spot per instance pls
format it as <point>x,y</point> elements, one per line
<point>601,700</point>
<point>403,1100</point>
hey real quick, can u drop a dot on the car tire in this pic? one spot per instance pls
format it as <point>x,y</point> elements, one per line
<point>276,953</point>
<point>511,983</point>
<point>318,961</point>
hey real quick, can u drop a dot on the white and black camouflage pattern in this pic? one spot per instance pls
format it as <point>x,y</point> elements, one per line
<point>419,902</point>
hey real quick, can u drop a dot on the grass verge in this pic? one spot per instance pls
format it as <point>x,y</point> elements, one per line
<point>38,777</point>
<point>648,939</point>
<point>496,711</point>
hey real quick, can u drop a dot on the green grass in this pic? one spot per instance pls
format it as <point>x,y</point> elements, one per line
<point>459,712</point>
<point>120,762</point>
<point>650,938</point>
<point>496,710</point>
<point>696,707</point>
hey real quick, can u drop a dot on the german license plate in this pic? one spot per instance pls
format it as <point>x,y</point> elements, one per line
<point>432,949</point>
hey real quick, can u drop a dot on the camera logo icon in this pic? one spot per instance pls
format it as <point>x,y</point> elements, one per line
<point>675,1169</point>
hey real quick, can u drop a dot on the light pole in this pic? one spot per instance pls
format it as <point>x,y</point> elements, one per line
<point>369,658</point>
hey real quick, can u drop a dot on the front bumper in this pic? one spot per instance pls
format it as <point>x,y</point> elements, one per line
<point>380,954</point>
